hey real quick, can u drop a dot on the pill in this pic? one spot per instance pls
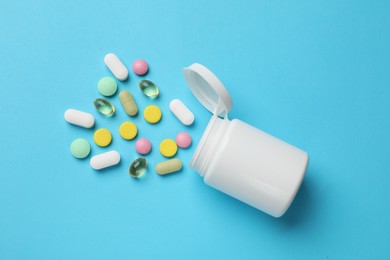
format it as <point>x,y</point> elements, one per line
<point>183,140</point>
<point>138,167</point>
<point>169,166</point>
<point>107,86</point>
<point>80,148</point>
<point>168,148</point>
<point>105,160</point>
<point>148,88</point>
<point>128,103</point>
<point>181,112</point>
<point>104,106</point>
<point>128,130</point>
<point>102,137</point>
<point>152,114</point>
<point>140,67</point>
<point>115,65</point>
<point>143,146</point>
<point>79,118</point>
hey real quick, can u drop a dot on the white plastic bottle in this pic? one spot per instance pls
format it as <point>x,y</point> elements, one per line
<point>239,159</point>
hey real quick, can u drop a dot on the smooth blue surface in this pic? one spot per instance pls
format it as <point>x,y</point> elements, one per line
<point>314,73</point>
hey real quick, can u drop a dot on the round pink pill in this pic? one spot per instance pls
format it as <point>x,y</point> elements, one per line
<point>183,140</point>
<point>140,67</point>
<point>143,146</point>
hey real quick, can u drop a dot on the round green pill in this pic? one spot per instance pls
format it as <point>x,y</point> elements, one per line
<point>80,148</point>
<point>107,86</point>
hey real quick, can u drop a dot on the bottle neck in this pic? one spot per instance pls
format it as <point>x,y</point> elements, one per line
<point>209,144</point>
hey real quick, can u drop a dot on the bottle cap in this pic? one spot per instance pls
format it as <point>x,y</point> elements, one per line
<point>208,89</point>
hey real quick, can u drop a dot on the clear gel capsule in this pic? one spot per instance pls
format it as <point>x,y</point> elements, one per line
<point>137,168</point>
<point>104,106</point>
<point>148,88</point>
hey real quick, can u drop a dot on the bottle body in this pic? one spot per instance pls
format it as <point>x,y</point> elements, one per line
<point>250,165</point>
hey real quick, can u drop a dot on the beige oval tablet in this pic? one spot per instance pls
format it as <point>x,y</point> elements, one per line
<point>169,166</point>
<point>128,103</point>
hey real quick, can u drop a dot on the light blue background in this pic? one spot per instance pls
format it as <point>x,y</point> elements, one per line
<point>313,73</point>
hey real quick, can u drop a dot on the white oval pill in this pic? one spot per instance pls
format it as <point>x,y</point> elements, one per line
<point>181,112</point>
<point>79,118</point>
<point>105,160</point>
<point>116,66</point>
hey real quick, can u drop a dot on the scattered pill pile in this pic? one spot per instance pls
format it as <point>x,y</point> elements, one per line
<point>102,137</point>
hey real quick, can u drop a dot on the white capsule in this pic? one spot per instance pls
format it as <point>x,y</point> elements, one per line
<point>79,118</point>
<point>105,160</point>
<point>181,112</point>
<point>116,66</point>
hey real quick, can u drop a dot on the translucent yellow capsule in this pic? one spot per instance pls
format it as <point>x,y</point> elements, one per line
<point>148,88</point>
<point>137,168</point>
<point>104,106</point>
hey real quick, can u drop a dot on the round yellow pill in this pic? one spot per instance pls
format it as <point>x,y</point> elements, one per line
<point>152,114</point>
<point>168,147</point>
<point>102,137</point>
<point>128,130</point>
